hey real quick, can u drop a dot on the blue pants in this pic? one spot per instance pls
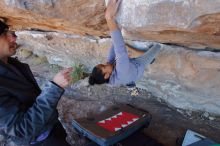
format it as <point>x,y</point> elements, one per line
<point>145,60</point>
<point>148,56</point>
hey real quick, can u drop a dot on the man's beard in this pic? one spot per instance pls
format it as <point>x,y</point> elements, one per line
<point>13,46</point>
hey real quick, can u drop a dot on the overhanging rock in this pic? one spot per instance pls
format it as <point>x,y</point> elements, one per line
<point>192,23</point>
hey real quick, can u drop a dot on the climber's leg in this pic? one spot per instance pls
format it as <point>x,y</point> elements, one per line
<point>134,53</point>
<point>149,56</point>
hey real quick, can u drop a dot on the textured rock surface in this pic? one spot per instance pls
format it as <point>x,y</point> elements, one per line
<point>74,104</point>
<point>168,132</point>
<point>171,131</point>
<point>193,23</point>
<point>63,49</point>
<point>184,78</point>
<point>78,16</point>
<point>187,79</point>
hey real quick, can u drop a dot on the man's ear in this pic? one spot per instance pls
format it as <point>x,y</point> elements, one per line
<point>107,76</point>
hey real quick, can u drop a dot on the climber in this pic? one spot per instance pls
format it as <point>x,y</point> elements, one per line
<point>28,115</point>
<point>120,69</point>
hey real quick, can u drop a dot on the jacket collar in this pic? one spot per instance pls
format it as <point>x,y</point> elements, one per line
<point>26,90</point>
<point>6,71</point>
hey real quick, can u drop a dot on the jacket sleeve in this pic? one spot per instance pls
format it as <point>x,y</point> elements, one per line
<point>111,55</point>
<point>122,59</point>
<point>30,123</point>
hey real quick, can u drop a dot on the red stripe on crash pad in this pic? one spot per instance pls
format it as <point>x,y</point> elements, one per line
<point>122,120</point>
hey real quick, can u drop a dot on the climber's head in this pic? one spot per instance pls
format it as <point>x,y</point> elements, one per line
<point>101,74</point>
<point>8,43</point>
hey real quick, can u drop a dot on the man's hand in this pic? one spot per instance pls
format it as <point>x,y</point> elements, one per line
<point>110,14</point>
<point>63,78</point>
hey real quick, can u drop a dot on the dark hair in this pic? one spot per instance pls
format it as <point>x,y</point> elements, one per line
<point>3,27</point>
<point>97,77</point>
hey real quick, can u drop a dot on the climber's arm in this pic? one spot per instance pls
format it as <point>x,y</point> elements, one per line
<point>112,25</point>
<point>111,55</point>
<point>110,14</point>
<point>121,54</point>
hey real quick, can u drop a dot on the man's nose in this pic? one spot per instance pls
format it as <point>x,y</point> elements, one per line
<point>12,36</point>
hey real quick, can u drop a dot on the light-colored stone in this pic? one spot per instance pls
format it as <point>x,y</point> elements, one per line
<point>24,53</point>
<point>211,118</point>
<point>65,50</point>
<point>186,79</point>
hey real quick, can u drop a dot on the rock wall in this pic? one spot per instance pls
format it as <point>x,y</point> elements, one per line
<point>71,32</point>
<point>185,78</point>
<point>193,23</point>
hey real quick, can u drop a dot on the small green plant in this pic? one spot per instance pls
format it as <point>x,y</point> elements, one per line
<point>77,73</point>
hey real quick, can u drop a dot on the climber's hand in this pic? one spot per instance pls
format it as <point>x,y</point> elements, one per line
<point>112,9</point>
<point>110,14</point>
<point>63,78</point>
